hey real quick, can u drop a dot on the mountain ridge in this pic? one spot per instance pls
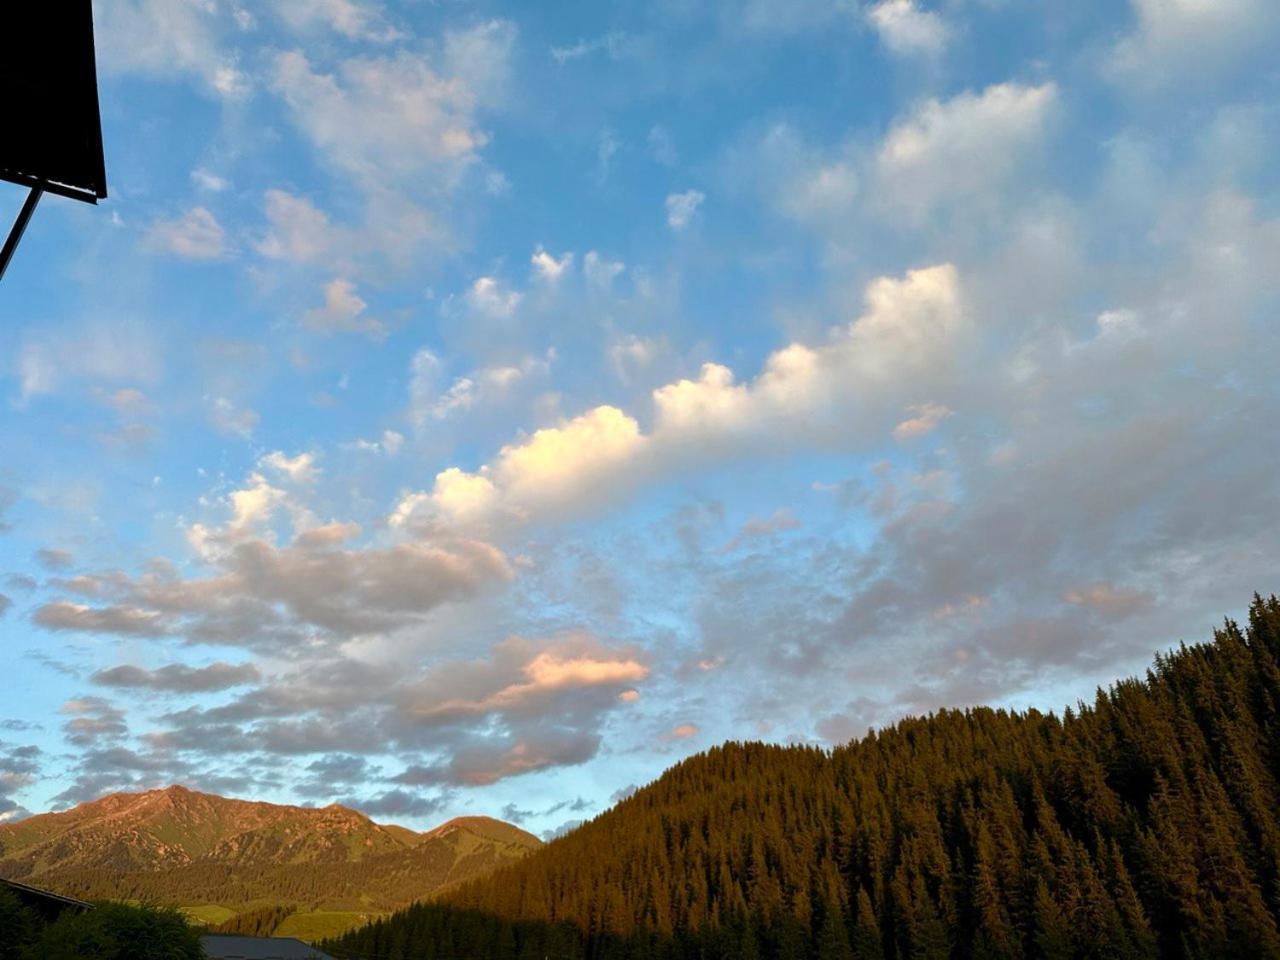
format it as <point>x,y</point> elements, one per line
<point>185,847</point>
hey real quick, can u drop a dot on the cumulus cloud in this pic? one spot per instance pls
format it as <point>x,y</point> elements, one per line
<point>906,29</point>
<point>343,312</point>
<point>911,328</point>
<point>965,148</point>
<point>298,469</point>
<point>486,387</point>
<point>550,268</point>
<point>550,469</point>
<point>196,235</point>
<point>681,208</point>
<point>1217,35</point>
<point>490,298</point>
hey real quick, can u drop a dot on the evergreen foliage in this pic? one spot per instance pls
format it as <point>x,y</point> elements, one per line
<point>18,925</point>
<point>110,931</point>
<point>1145,824</point>
<point>261,922</point>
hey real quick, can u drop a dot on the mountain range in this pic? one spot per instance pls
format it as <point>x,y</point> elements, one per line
<point>1144,824</point>
<point>219,856</point>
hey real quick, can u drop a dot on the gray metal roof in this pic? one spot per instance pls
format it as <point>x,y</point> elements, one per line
<point>219,946</point>
<point>48,905</point>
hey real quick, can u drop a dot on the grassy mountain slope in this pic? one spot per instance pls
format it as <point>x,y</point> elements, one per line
<point>1145,824</point>
<point>182,847</point>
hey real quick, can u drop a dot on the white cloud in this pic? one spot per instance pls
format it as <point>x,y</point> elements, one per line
<point>280,598</point>
<point>196,235</point>
<point>480,56</point>
<point>488,297</point>
<point>963,149</point>
<point>683,731</point>
<point>343,312</point>
<point>906,29</point>
<point>907,331</point>
<point>631,355</point>
<point>823,192</point>
<point>1169,34</point>
<point>681,208</point>
<point>229,418</point>
<point>609,42</point>
<point>383,119</point>
<point>601,273</point>
<point>549,672</point>
<point>829,394</point>
<point>389,443</point>
<point>924,419</point>
<point>485,387</point>
<point>164,38</point>
<point>299,469</point>
<point>209,181</point>
<point>297,230</point>
<point>353,19</point>
<point>424,377</point>
<point>98,352</point>
<point>662,146</point>
<point>550,470</point>
<point>548,267</point>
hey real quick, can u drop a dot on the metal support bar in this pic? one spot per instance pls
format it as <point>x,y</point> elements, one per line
<point>19,227</point>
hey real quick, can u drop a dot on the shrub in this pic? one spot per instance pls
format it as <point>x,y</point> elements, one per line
<point>117,931</point>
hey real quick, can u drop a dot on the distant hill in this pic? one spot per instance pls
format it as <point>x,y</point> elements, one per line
<point>1143,825</point>
<point>228,856</point>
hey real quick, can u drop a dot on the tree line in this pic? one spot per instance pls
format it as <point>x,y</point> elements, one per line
<point>1145,824</point>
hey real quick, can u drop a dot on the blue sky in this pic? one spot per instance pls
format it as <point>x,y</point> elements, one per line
<point>474,408</point>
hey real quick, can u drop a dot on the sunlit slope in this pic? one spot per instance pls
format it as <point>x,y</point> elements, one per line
<point>184,847</point>
<point>1144,824</point>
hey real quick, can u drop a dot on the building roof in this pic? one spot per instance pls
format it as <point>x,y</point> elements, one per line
<point>48,905</point>
<point>219,946</point>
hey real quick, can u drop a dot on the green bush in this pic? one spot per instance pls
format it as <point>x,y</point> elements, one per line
<point>17,926</point>
<point>116,931</point>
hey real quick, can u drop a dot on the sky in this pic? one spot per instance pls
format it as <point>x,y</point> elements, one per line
<point>474,408</point>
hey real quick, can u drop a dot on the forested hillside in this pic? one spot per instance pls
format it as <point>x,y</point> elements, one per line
<point>1146,824</point>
